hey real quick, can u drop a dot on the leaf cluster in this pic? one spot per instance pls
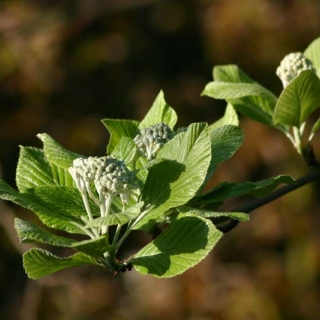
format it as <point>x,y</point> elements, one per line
<point>170,202</point>
<point>288,112</point>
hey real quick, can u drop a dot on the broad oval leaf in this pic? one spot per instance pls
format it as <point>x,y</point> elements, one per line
<point>177,179</point>
<point>225,142</point>
<point>51,218</point>
<point>125,150</point>
<point>57,154</point>
<point>119,128</point>
<point>247,96</point>
<point>94,247</point>
<point>39,263</point>
<point>229,90</point>
<point>298,100</point>
<point>33,169</point>
<point>159,112</point>
<point>230,117</point>
<point>313,54</point>
<point>186,242</point>
<point>29,232</point>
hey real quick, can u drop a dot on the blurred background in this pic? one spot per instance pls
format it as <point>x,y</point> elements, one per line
<point>64,65</point>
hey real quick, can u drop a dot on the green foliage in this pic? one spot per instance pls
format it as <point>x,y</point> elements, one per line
<point>105,199</point>
<point>287,113</point>
<point>298,100</point>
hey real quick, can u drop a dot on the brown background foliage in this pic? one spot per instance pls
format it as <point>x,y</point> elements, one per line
<point>64,65</point>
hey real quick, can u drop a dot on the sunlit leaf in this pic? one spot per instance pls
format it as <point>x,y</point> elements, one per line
<point>177,179</point>
<point>118,129</point>
<point>125,150</point>
<point>313,54</point>
<point>230,117</point>
<point>119,218</point>
<point>50,217</point>
<point>40,263</point>
<point>247,96</point>
<point>159,112</point>
<point>33,169</point>
<point>298,100</point>
<point>57,154</point>
<point>240,216</point>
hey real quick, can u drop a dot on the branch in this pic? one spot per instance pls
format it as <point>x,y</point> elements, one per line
<point>269,198</point>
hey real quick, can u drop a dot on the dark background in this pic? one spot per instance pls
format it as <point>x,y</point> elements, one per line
<point>64,65</point>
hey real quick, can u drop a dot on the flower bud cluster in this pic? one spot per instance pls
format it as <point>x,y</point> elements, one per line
<point>151,139</point>
<point>291,66</point>
<point>109,175</point>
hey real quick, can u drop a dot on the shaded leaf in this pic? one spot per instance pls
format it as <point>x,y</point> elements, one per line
<point>186,242</point>
<point>227,190</point>
<point>94,247</point>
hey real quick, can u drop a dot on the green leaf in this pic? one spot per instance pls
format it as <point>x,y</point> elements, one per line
<point>51,218</point>
<point>30,233</point>
<point>225,142</point>
<point>33,169</point>
<point>57,154</point>
<point>119,218</point>
<point>240,216</point>
<point>313,54</point>
<point>118,129</point>
<point>230,73</point>
<point>298,100</point>
<point>227,190</point>
<point>94,247</point>
<point>159,112</point>
<point>230,117</point>
<point>61,176</point>
<point>316,127</point>
<point>168,185</point>
<point>40,263</point>
<point>247,96</point>
<point>264,187</point>
<point>66,200</point>
<point>186,242</point>
<point>125,150</point>
<point>229,90</point>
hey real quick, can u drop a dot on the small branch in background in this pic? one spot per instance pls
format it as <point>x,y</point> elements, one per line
<point>229,224</point>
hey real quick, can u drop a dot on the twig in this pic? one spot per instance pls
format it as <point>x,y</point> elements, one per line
<point>231,224</point>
